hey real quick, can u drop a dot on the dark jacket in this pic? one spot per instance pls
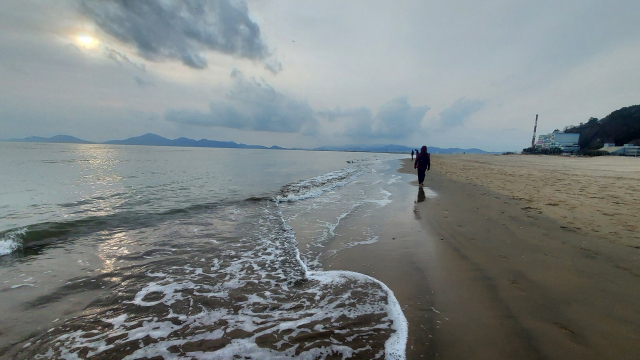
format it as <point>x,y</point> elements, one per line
<point>419,165</point>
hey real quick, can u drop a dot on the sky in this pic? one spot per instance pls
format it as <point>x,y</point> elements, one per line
<point>458,73</point>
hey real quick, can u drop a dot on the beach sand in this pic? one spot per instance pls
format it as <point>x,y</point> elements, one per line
<point>595,196</point>
<point>515,257</point>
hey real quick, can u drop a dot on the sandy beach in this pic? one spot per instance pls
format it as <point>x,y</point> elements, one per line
<point>595,196</point>
<point>513,257</point>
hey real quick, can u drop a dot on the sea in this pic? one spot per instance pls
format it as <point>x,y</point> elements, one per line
<point>142,252</point>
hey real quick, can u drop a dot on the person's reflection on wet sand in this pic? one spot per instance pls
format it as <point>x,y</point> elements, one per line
<point>421,195</point>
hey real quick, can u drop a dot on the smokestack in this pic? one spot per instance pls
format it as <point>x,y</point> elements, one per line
<point>533,140</point>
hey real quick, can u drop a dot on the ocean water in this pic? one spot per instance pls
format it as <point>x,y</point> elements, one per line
<point>161,252</point>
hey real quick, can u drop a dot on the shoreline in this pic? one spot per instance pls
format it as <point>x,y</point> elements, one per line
<point>478,276</point>
<point>475,273</point>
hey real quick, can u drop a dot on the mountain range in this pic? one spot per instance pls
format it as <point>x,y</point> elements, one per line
<point>150,139</point>
<point>157,140</point>
<point>400,149</point>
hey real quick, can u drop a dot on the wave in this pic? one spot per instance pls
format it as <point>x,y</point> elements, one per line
<point>51,232</point>
<point>318,185</point>
<point>356,161</point>
<point>250,297</point>
<point>46,233</point>
<point>395,346</point>
<point>11,241</point>
<point>253,298</point>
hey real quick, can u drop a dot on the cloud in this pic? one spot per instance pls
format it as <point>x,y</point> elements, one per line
<point>142,82</point>
<point>396,119</point>
<point>459,112</point>
<point>180,30</point>
<point>273,65</point>
<point>252,105</point>
<point>121,58</point>
<point>362,114</point>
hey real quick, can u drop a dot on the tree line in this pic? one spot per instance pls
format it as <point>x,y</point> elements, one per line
<point>620,127</point>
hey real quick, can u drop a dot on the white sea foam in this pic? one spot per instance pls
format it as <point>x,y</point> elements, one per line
<point>327,218</point>
<point>257,286</point>
<point>369,241</point>
<point>394,178</point>
<point>395,346</point>
<point>318,185</point>
<point>11,241</point>
<point>326,299</point>
<point>382,202</point>
<point>356,161</point>
<point>21,285</point>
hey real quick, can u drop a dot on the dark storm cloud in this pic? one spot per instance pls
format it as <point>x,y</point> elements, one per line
<point>252,105</point>
<point>396,119</point>
<point>180,30</point>
<point>459,112</point>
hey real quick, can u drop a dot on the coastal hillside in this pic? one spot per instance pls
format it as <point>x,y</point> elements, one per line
<point>620,127</point>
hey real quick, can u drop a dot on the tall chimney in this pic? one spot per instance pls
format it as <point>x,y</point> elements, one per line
<point>533,140</point>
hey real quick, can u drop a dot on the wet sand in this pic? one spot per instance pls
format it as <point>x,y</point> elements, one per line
<point>480,275</point>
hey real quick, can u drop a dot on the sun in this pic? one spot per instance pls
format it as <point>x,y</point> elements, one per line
<point>86,40</point>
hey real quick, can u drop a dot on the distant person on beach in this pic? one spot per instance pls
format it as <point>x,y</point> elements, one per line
<point>422,163</point>
<point>411,154</point>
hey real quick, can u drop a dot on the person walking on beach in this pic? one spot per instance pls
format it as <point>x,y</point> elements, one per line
<point>412,154</point>
<point>422,163</point>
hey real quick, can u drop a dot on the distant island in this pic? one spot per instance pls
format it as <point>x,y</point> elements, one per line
<point>157,140</point>
<point>60,139</point>
<point>150,139</point>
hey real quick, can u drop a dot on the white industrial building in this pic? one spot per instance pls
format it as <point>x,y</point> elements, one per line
<point>543,141</point>
<point>568,142</point>
<point>626,150</point>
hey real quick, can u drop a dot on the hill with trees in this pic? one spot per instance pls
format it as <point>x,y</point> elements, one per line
<point>620,127</point>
